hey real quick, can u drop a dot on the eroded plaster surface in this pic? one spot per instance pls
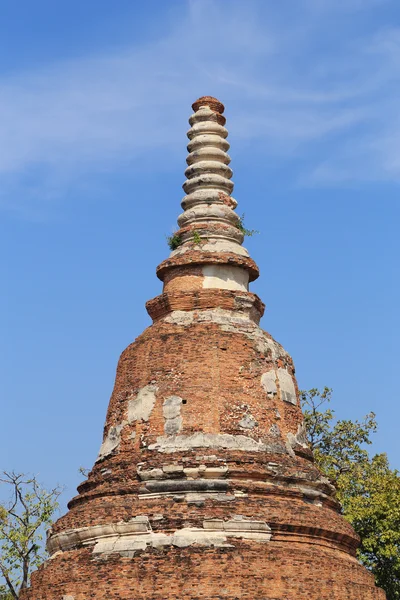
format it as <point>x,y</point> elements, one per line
<point>139,408</point>
<point>299,438</point>
<point>172,415</point>
<point>168,471</point>
<point>286,385</point>
<point>141,405</point>
<point>137,535</point>
<point>279,381</point>
<point>179,443</point>
<point>226,277</point>
<point>248,422</point>
<point>268,381</point>
<point>111,441</point>
<point>213,245</point>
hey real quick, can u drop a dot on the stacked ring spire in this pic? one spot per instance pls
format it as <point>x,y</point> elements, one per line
<point>208,204</point>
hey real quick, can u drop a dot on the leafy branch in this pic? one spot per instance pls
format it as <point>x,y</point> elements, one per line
<point>367,488</point>
<point>23,521</point>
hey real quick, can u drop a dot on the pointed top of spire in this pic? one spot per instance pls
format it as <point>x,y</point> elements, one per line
<point>211,102</point>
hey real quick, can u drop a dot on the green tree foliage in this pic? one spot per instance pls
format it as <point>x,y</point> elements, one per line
<point>23,520</point>
<point>368,489</point>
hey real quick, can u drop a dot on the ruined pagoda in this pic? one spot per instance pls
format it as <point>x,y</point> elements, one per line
<point>204,487</point>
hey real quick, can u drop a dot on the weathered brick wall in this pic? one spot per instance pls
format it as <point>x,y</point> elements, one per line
<point>214,361</point>
<point>247,572</point>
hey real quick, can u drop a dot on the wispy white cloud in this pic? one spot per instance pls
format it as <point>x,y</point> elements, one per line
<point>282,83</point>
<point>372,153</point>
<point>343,5</point>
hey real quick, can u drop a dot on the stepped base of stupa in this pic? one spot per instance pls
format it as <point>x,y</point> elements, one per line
<point>242,570</point>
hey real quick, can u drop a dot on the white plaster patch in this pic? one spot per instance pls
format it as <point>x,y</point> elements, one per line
<point>172,415</point>
<point>200,498</point>
<point>180,317</point>
<point>66,540</point>
<point>274,430</point>
<point>146,475</point>
<point>286,385</point>
<point>300,438</point>
<point>238,523</point>
<point>268,381</point>
<point>223,276</point>
<point>140,407</point>
<point>121,538</point>
<point>248,422</point>
<point>171,471</point>
<point>266,346</point>
<point>239,320</point>
<point>213,245</point>
<point>182,538</point>
<point>301,435</point>
<point>285,382</point>
<point>111,441</point>
<point>179,443</point>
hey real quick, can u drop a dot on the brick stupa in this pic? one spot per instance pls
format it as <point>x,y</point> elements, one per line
<point>204,487</point>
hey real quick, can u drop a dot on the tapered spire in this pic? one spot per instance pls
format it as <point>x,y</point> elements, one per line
<point>209,218</point>
<point>208,204</point>
<point>210,236</point>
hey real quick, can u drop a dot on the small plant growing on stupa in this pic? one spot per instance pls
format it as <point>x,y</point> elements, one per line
<point>196,238</point>
<point>174,241</point>
<point>248,232</point>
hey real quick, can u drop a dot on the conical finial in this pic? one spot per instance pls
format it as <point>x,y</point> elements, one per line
<point>212,103</point>
<point>209,217</point>
<point>207,249</point>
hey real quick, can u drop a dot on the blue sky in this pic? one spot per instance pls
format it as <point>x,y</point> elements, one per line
<point>94,102</point>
